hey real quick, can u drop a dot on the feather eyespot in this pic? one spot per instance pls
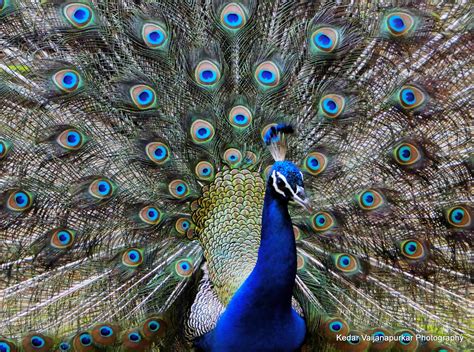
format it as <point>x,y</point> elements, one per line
<point>134,337</point>
<point>37,341</point>
<point>157,152</point>
<point>204,170</point>
<point>325,39</point>
<point>178,189</point>
<point>370,200</point>
<point>102,188</point>
<point>332,105</point>
<point>150,215</point>
<point>154,35</point>
<point>399,23</point>
<point>64,346</point>
<point>315,163</point>
<point>154,327</point>
<point>182,225</point>
<point>240,117</point>
<point>202,131</point>
<point>133,340</point>
<point>406,154</point>
<point>71,139</point>
<point>233,156</point>
<point>62,238</point>
<point>184,267</point>
<point>78,14</point>
<point>412,249</point>
<point>7,346</point>
<point>4,148</point>
<point>322,221</point>
<point>346,263</point>
<point>333,327</point>
<point>233,16</point>
<point>67,80</point>
<point>143,97</point>
<point>267,74</point>
<point>19,201</point>
<point>132,257</point>
<point>406,339</point>
<point>105,334</point>
<point>207,74</point>
<point>459,216</point>
<point>411,97</point>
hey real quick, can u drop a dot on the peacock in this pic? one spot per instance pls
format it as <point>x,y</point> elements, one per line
<point>236,175</point>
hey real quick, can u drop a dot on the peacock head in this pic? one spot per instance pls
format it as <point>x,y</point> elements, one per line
<point>285,179</point>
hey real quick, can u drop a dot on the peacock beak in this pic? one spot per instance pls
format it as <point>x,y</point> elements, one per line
<point>301,199</point>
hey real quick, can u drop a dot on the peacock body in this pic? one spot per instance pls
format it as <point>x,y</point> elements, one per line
<point>145,203</point>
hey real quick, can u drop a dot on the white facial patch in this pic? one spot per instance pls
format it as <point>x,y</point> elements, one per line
<point>277,175</point>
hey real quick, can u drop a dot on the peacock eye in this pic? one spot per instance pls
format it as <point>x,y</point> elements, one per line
<point>412,249</point>
<point>204,170</point>
<point>202,131</point>
<point>346,263</point>
<point>333,327</point>
<point>143,97</point>
<point>67,80</point>
<point>101,188</point>
<point>240,117</point>
<point>37,341</point>
<point>267,74</point>
<point>150,215</point>
<point>85,339</point>
<point>399,23</point>
<point>325,39</point>
<point>315,163</point>
<point>157,152</point>
<point>233,16</point>
<point>322,221</point>
<point>132,257</point>
<point>184,267</point>
<point>4,148</point>
<point>182,225</point>
<point>19,201</point>
<point>406,154</point>
<point>134,337</point>
<point>332,105</point>
<point>178,189</point>
<point>336,326</point>
<point>154,327</point>
<point>411,97</point>
<point>78,14</point>
<point>207,73</point>
<point>62,238</point>
<point>71,139</point>
<point>459,217</point>
<point>407,338</point>
<point>64,346</point>
<point>370,200</point>
<point>154,36</point>
<point>233,156</point>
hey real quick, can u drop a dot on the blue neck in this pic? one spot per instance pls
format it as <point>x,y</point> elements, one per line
<point>274,274</point>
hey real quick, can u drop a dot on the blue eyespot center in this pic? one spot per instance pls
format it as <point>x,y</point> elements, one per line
<point>313,163</point>
<point>404,153</point>
<point>397,24</point>
<point>368,199</point>
<point>134,337</point>
<point>160,153</point>
<point>233,19</point>
<point>323,41</point>
<point>21,199</point>
<point>152,214</point>
<point>64,346</point>
<point>69,80</point>
<point>184,266</point>
<point>37,341</point>
<point>4,347</point>
<point>203,132</point>
<point>105,331</point>
<point>103,187</point>
<point>321,220</point>
<point>81,15</point>
<point>406,338</point>
<point>185,225</point>
<point>86,339</point>
<point>134,256</point>
<point>378,337</point>
<point>240,119</point>
<point>64,237</point>
<point>73,138</point>
<point>345,261</point>
<point>154,325</point>
<point>266,76</point>
<point>457,215</point>
<point>411,247</point>
<point>156,38</point>
<point>408,96</point>
<point>335,326</point>
<point>180,189</point>
<point>145,97</point>
<point>330,105</point>
<point>2,147</point>
<point>208,76</point>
